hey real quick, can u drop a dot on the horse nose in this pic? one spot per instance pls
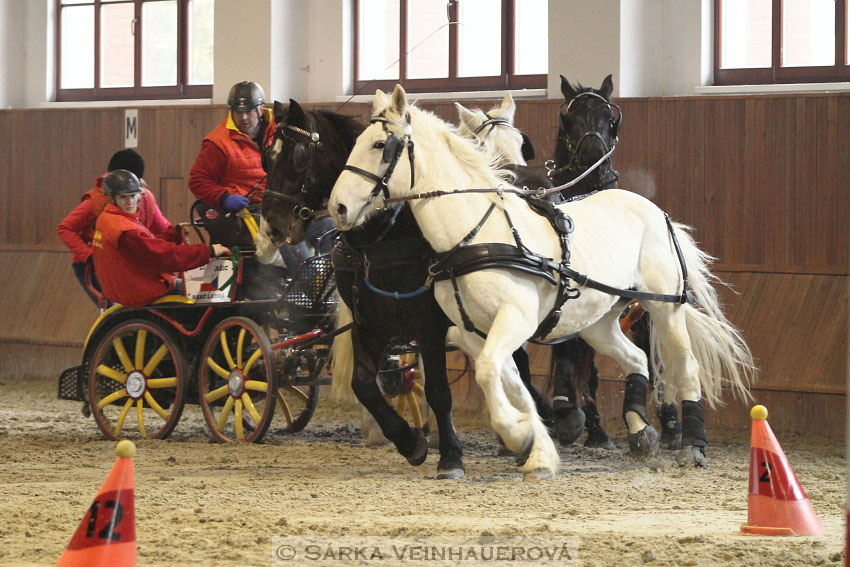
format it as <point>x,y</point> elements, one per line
<point>341,210</point>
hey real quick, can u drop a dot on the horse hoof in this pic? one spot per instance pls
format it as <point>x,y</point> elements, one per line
<point>644,443</point>
<point>537,475</point>
<point>599,443</point>
<point>420,450</point>
<point>691,456</point>
<point>450,474</point>
<point>569,425</point>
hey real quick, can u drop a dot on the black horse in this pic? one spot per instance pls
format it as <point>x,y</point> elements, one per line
<point>588,130</point>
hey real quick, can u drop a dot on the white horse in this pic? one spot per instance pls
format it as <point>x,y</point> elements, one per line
<point>620,239</point>
<point>505,142</point>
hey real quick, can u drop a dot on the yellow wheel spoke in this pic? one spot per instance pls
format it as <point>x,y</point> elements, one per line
<point>104,370</point>
<point>254,356</point>
<point>225,413</point>
<point>239,343</point>
<point>139,406</point>
<point>217,394</point>
<point>417,388</point>
<point>162,382</point>
<point>303,395</point>
<point>141,337</point>
<point>401,406</point>
<point>120,422</point>
<point>249,405</point>
<point>155,359</point>
<point>218,369</point>
<point>256,386</point>
<point>237,420</point>
<point>118,345</point>
<point>155,406</point>
<point>226,350</point>
<point>287,413</point>
<point>117,395</point>
<point>414,408</point>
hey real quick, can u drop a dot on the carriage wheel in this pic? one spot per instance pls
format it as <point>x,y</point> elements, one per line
<point>298,404</point>
<point>237,385</point>
<point>136,381</point>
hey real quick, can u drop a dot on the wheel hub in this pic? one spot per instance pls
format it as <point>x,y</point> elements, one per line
<point>135,384</point>
<point>236,383</point>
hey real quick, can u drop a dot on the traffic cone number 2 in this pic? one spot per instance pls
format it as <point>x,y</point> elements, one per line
<point>108,520</point>
<point>774,476</point>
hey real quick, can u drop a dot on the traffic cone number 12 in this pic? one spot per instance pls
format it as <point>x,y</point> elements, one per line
<point>104,523</point>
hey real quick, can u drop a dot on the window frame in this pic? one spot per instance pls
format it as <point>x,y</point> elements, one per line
<point>182,90</point>
<point>776,74</point>
<point>507,80</point>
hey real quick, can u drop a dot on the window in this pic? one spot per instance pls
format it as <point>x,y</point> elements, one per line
<point>132,49</point>
<point>457,45</point>
<point>780,41</point>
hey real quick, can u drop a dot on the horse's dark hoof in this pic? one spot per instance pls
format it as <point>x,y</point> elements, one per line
<point>420,449</point>
<point>569,424</point>
<point>644,443</point>
<point>522,456</point>
<point>691,456</point>
<point>671,437</point>
<point>455,473</point>
<point>598,439</point>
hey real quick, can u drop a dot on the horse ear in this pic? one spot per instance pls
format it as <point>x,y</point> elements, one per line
<point>464,114</point>
<point>279,112</point>
<point>607,88</point>
<point>508,107</point>
<point>296,113</point>
<point>399,101</point>
<point>567,89</point>
<point>381,101</point>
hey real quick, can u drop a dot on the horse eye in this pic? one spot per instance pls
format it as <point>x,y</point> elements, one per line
<point>379,145</point>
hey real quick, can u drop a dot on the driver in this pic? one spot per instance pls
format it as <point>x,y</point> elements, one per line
<point>228,171</point>
<point>134,266</point>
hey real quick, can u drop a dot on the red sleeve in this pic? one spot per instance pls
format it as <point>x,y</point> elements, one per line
<point>155,221</point>
<point>159,255</point>
<point>206,173</point>
<point>69,230</point>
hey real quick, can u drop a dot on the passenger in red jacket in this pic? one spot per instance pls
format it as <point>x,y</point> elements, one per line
<point>136,267</point>
<point>77,229</point>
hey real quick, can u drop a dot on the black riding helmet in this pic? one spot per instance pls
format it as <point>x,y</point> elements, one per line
<point>246,95</point>
<point>121,182</point>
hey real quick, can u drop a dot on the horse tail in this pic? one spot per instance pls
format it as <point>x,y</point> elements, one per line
<point>718,346</point>
<point>342,359</point>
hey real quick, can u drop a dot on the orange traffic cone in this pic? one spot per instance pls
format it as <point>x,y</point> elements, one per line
<point>107,534</point>
<point>777,504</point>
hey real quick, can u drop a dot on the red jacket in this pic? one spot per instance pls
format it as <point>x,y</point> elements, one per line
<point>229,164</point>
<point>134,266</point>
<point>77,229</point>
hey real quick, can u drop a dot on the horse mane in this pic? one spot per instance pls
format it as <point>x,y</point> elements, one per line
<point>348,127</point>
<point>464,149</point>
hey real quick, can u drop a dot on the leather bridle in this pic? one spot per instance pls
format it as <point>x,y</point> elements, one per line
<point>573,165</point>
<point>306,145</point>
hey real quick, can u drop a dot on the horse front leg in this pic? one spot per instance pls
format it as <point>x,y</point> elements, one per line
<point>513,414</point>
<point>439,395</point>
<point>544,406</point>
<point>409,441</point>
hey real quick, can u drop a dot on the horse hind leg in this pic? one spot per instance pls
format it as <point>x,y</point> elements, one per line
<point>607,338</point>
<point>680,362</point>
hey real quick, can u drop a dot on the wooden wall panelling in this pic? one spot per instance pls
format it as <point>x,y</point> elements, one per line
<point>5,174</point>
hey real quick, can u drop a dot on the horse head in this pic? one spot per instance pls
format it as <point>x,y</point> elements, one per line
<point>588,127</point>
<point>512,146</point>
<point>303,160</point>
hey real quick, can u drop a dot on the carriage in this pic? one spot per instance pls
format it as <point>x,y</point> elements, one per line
<point>237,357</point>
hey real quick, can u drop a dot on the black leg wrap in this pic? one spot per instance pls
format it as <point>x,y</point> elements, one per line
<point>693,424</point>
<point>635,396</point>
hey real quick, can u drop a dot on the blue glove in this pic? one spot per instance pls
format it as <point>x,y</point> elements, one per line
<point>235,202</point>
